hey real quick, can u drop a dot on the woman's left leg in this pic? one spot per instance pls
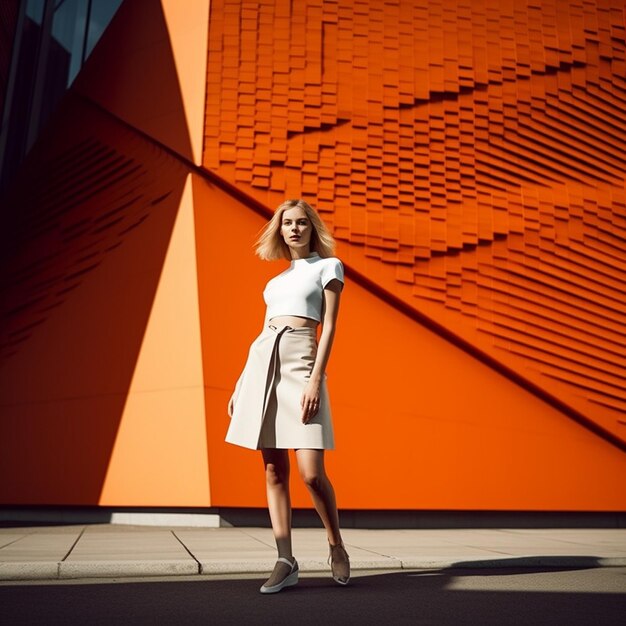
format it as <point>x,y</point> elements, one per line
<point>313,473</point>
<point>311,466</point>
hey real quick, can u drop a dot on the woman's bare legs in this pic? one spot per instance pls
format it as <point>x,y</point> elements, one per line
<point>311,466</point>
<point>278,501</point>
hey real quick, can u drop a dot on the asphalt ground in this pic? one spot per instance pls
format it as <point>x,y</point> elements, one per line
<point>122,574</point>
<point>530,596</point>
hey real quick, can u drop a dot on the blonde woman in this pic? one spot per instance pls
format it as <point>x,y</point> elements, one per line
<point>280,401</point>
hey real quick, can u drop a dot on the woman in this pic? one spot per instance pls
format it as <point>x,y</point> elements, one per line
<point>281,401</point>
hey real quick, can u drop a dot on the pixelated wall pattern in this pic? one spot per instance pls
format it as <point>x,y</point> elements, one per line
<point>477,148</point>
<point>84,205</point>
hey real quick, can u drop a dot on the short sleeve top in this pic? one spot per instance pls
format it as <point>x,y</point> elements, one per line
<point>299,290</point>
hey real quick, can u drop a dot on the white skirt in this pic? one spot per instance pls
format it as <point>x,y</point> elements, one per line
<point>267,411</point>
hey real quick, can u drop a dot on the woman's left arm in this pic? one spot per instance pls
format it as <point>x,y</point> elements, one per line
<point>311,394</point>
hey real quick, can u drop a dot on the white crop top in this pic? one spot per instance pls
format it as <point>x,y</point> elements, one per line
<point>299,289</point>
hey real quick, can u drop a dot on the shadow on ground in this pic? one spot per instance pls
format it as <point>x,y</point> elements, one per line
<point>451,596</point>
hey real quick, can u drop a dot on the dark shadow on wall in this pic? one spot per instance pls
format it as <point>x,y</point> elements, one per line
<point>91,226</point>
<point>85,229</point>
<point>380,519</point>
<point>24,516</point>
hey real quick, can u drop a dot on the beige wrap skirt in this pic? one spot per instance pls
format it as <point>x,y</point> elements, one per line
<point>266,405</point>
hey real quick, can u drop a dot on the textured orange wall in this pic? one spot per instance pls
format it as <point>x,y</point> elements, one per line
<point>469,159</point>
<point>419,423</point>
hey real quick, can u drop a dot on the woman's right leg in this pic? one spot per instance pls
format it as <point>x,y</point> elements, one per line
<point>285,572</point>
<point>276,463</point>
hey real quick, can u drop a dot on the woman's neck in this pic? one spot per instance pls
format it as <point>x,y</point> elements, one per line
<point>304,255</point>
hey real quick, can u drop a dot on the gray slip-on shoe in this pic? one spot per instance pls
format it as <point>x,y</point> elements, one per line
<point>281,576</point>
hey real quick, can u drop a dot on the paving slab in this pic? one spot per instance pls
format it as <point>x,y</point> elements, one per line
<point>586,535</point>
<point>310,546</point>
<point>430,537</point>
<point>252,550</point>
<point>601,543</point>
<point>115,552</point>
<point>227,551</point>
<point>499,538</point>
<point>36,555</point>
<point>116,568</point>
<point>9,538</point>
<point>445,548</point>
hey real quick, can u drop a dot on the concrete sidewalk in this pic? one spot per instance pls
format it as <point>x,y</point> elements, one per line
<point>115,550</point>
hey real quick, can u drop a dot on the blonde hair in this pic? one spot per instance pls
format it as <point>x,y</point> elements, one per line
<point>270,245</point>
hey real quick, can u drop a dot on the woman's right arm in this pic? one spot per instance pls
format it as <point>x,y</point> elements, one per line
<point>233,397</point>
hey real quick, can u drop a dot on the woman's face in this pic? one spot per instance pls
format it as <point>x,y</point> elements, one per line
<point>296,229</point>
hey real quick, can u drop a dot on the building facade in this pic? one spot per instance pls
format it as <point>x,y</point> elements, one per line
<point>468,158</point>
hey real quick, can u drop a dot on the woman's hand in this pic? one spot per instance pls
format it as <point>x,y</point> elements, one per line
<point>310,401</point>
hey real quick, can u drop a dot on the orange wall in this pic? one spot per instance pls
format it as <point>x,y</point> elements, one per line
<point>469,163</point>
<point>476,150</point>
<point>419,423</point>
